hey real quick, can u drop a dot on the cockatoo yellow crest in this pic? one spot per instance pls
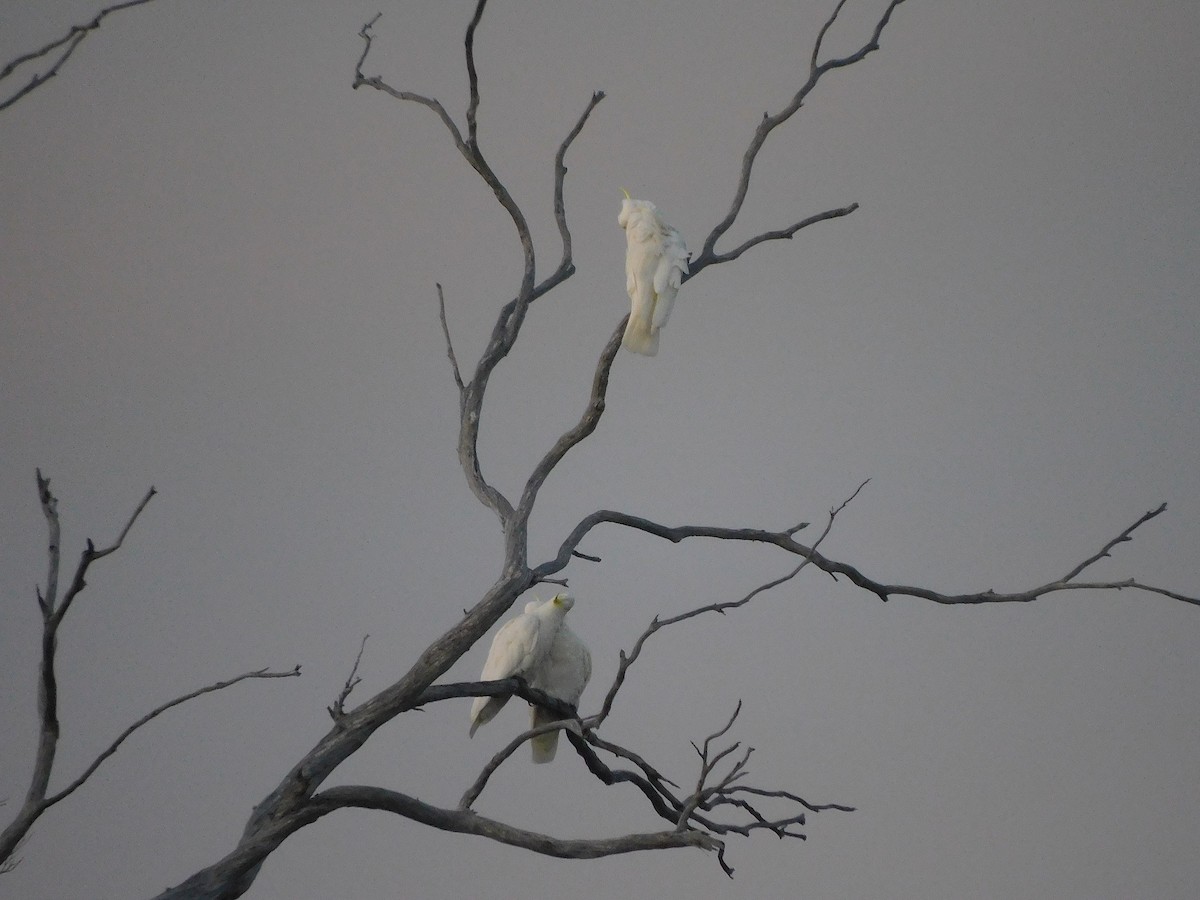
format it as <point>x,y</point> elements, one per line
<point>563,675</point>
<point>519,648</point>
<point>655,262</point>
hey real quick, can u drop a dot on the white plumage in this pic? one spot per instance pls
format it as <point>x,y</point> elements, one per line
<point>563,675</point>
<point>519,647</point>
<point>655,263</point>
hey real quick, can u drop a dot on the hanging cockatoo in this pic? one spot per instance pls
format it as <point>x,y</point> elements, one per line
<point>655,263</point>
<point>519,647</point>
<point>563,675</point>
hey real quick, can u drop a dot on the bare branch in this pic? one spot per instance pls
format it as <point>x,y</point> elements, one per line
<point>472,75</point>
<point>585,426</point>
<point>352,681</point>
<point>1119,539</point>
<point>813,807</point>
<point>566,266</point>
<point>472,793</point>
<point>379,84</point>
<point>782,234</point>
<point>449,344</point>
<point>158,711</point>
<point>708,255</point>
<point>49,505</point>
<point>466,821</point>
<point>91,554</point>
<point>71,40</point>
<point>869,47</point>
<point>783,539</point>
<point>514,686</point>
<point>706,767</point>
<point>626,661</point>
<point>812,63</point>
<point>37,799</point>
<point>52,617</point>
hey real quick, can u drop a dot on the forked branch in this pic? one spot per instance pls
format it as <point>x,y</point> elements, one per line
<point>37,798</point>
<point>64,46</point>
<point>708,255</point>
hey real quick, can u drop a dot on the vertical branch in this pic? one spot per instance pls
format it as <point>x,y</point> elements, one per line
<point>53,612</point>
<point>48,728</point>
<point>449,344</point>
<point>472,75</point>
<point>566,266</point>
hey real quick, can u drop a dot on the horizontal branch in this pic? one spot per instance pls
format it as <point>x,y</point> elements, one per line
<point>516,686</point>
<point>883,590</point>
<point>465,821</point>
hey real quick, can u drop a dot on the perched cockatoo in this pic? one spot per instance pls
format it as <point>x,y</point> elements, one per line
<point>563,675</point>
<point>655,263</point>
<point>519,647</point>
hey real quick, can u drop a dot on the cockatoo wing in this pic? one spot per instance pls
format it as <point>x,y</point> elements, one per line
<point>512,648</point>
<point>668,275</point>
<point>563,675</point>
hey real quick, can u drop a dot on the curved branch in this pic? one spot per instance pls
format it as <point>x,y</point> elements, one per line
<point>472,793</point>
<point>379,84</point>
<point>584,427</point>
<point>472,75</point>
<point>783,234</point>
<point>566,266</point>
<point>469,822</point>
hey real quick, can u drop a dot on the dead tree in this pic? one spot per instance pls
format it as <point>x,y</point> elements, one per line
<point>719,802</point>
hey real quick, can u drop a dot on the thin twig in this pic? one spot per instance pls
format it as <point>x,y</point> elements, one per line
<point>155,713</point>
<point>1119,539</point>
<point>352,681</point>
<point>472,793</point>
<point>624,661</point>
<point>72,39</point>
<point>449,344</point>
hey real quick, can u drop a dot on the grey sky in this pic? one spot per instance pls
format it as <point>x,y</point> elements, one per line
<point>218,268</point>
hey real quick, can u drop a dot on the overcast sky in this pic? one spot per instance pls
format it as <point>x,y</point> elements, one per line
<point>217,276</point>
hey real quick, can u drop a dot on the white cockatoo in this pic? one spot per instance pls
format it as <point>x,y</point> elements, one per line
<point>519,647</point>
<point>655,263</point>
<point>563,675</point>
